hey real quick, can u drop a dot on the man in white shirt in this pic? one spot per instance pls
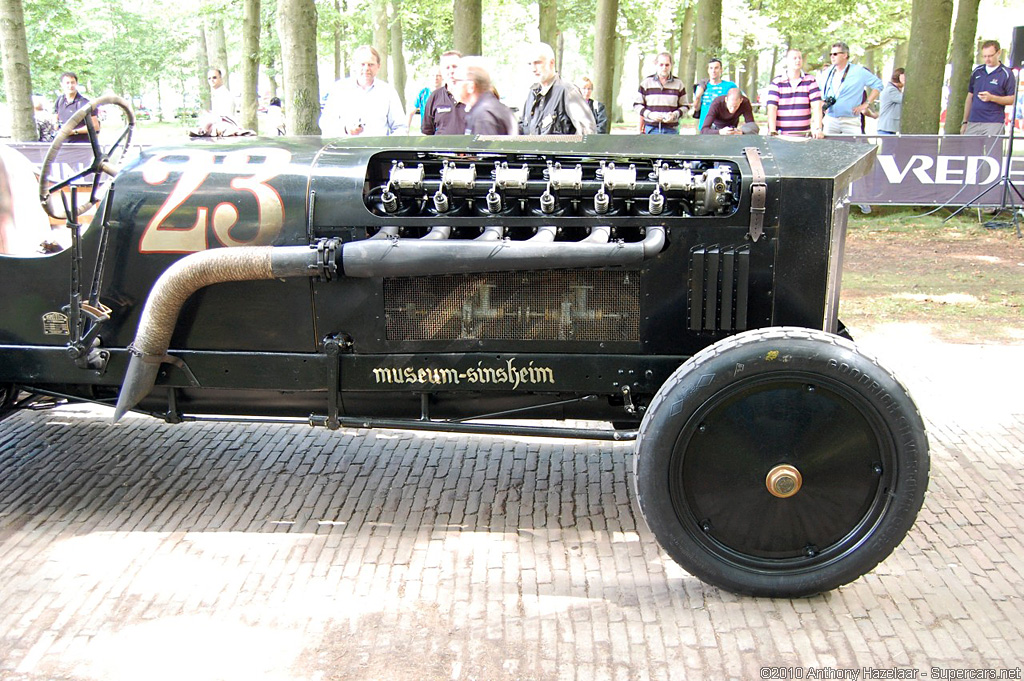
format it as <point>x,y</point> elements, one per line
<point>222,102</point>
<point>363,105</point>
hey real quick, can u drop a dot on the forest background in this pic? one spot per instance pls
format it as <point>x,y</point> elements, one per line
<point>155,53</point>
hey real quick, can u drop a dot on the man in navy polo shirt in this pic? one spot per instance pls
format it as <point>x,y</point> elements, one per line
<point>70,102</point>
<point>990,91</point>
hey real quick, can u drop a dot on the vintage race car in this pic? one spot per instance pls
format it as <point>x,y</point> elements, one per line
<point>684,289</point>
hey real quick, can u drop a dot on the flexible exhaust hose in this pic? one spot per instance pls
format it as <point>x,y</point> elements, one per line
<point>178,283</point>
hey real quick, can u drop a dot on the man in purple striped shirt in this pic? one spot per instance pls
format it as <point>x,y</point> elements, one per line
<point>661,99</point>
<point>794,101</point>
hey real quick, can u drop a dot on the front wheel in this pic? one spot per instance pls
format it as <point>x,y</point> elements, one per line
<point>781,462</point>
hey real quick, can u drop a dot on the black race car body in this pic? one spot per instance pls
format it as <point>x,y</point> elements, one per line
<point>687,286</point>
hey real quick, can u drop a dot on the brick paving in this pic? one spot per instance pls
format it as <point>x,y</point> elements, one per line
<point>146,551</point>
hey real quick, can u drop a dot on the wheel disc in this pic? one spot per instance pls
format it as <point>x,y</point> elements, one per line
<point>822,447</point>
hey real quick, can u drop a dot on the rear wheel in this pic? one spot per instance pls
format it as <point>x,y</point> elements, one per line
<point>781,462</point>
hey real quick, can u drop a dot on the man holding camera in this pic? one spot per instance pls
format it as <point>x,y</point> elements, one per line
<point>842,87</point>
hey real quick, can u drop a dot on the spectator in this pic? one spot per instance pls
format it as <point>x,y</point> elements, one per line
<point>275,117</point>
<point>661,99</point>
<point>843,91</point>
<point>794,100</point>
<point>723,116</point>
<point>715,87</point>
<point>442,113</point>
<point>891,103</point>
<point>222,102</point>
<point>991,89</point>
<point>553,106</point>
<point>421,98</point>
<point>68,103</point>
<point>597,108</point>
<point>363,105</point>
<point>485,115</point>
<point>44,121</point>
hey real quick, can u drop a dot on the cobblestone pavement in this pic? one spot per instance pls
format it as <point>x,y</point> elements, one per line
<point>145,551</point>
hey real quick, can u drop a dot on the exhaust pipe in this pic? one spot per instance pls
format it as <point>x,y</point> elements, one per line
<point>185,277</point>
<point>382,257</point>
<point>415,257</point>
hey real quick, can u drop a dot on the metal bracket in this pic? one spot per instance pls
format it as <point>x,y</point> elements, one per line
<point>627,400</point>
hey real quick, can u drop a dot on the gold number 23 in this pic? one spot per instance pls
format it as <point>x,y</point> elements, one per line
<point>252,169</point>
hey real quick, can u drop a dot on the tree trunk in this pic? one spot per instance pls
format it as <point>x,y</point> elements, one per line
<point>899,59</point>
<point>709,30</point>
<point>397,55</point>
<point>548,24</point>
<point>691,70</point>
<point>684,65</point>
<point>216,47</point>
<point>203,65</point>
<point>775,61</point>
<point>337,41</point>
<point>381,35</point>
<point>869,60</point>
<point>17,75</point>
<point>296,25</point>
<point>467,32</point>
<point>604,51</point>
<point>250,62</point>
<point>963,63</point>
<point>749,68</point>
<point>929,34</point>
<point>614,110</point>
<point>559,51</point>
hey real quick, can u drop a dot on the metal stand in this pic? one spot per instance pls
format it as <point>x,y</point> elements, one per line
<point>1005,182</point>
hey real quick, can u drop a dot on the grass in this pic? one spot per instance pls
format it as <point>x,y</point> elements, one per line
<point>963,281</point>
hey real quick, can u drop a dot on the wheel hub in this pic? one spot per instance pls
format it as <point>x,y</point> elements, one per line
<point>783,481</point>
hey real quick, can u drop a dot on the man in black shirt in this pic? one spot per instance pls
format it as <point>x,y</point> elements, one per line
<point>442,114</point>
<point>70,102</point>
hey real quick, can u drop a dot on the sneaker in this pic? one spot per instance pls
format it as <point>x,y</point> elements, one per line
<point>864,208</point>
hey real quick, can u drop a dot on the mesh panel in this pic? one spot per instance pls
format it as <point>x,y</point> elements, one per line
<point>571,305</point>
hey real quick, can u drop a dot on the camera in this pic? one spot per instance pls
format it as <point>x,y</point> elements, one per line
<point>829,101</point>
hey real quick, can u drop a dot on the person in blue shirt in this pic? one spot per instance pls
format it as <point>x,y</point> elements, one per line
<point>842,89</point>
<point>716,87</point>
<point>990,91</point>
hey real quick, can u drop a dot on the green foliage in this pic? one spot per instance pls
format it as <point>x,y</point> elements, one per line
<point>112,45</point>
<point>813,25</point>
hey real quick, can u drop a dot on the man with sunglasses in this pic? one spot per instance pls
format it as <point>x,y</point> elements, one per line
<point>842,88</point>
<point>222,102</point>
<point>989,92</point>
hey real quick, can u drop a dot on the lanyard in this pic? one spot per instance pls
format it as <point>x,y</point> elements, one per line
<point>831,74</point>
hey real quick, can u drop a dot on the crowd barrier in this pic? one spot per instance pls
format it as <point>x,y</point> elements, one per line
<point>938,170</point>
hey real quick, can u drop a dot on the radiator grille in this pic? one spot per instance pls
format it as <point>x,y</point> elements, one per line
<point>572,305</point>
<point>719,287</point>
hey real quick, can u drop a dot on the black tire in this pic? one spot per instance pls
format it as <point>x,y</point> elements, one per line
<point>756,403</point>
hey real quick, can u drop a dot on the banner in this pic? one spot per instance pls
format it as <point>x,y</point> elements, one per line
<point>936,170</point>
<point>71,159</point>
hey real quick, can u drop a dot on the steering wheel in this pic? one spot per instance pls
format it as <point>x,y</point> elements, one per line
<point>103,162</point>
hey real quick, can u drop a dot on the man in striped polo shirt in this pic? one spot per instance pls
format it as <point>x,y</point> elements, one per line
<point>661,99</point>
<point>794,101</point>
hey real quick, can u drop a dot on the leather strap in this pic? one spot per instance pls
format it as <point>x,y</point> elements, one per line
<point>758,193</point>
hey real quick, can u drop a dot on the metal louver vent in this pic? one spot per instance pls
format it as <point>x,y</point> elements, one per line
<point>567,305</point>
<point>719,286</point>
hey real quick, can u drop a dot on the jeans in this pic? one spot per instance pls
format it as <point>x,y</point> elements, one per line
<point>650,129</point>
